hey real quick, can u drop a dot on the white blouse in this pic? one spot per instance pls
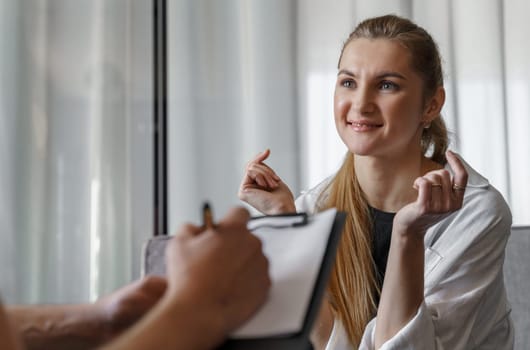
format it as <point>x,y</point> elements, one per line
<point>465,304</point>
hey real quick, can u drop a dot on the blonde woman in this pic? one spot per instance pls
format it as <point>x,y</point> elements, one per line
<point>420,262</point>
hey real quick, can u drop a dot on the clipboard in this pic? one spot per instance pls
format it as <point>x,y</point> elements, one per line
<point>154,263</point>
<point>300,339</point>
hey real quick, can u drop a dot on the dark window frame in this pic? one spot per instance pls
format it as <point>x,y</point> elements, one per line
<point>160,116</point>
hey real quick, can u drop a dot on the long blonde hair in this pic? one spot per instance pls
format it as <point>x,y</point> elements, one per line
<point>353,289</point>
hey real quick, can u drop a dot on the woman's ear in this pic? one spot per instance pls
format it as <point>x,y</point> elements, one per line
<point>434,105</point>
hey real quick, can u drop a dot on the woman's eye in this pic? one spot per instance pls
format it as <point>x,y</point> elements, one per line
<point>347,83</point>
<point>388,85</point>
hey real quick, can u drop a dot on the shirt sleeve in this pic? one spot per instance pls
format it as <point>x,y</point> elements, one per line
<point>464,299</point>
<point>421,324</point>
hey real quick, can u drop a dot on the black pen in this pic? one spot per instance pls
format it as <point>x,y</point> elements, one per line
<point>207,216</point>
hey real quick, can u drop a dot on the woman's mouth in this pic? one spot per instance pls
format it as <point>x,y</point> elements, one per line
<point>363,125</point>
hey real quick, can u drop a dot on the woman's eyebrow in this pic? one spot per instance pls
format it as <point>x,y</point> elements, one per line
<point>385,74</point>
<point>345,71</point>
<point>391,74</point>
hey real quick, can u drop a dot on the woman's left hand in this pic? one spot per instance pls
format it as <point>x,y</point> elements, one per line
<point>438,197</point>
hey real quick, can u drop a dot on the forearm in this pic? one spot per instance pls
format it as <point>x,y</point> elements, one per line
<point>58,326</point>
<point>403,287</point>
<point>172,325</point>
<point>8,337</point>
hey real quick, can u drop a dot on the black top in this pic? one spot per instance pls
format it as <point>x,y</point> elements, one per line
<point>382,232</point>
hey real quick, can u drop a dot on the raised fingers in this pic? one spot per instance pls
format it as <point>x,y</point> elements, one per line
<point>260,157</point>
<point>259,173</point>
<point>424,188</point>
<point>460,174</point>
<point>262,175</point>
<point>441,196</point>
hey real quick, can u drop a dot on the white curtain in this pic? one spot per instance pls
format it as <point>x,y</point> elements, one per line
<point>75,126</point>
<point>233,94</point>
<point>251,74</point>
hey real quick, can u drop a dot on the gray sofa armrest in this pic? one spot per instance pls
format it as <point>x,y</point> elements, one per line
<point>517,280</point>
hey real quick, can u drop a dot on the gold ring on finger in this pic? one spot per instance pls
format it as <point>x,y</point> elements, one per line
<point>458,187</point>
<point>436,185</point>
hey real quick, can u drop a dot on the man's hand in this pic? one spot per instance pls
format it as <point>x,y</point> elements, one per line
<point>125,306</point>
<point>217,278</point>
<point>85,326</point>
<point>222,272</point>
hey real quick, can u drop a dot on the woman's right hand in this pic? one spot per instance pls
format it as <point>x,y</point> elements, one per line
<point>264,190</point>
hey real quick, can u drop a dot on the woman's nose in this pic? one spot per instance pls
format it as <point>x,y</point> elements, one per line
<point>363,100</point>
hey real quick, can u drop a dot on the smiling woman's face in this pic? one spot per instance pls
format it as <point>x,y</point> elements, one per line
<point>378,103</point>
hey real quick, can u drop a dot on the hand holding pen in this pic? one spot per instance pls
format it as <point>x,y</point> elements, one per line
<point>218,269</point>
<point>207,217</point>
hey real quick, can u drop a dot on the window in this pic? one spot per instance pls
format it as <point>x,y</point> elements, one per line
<point>76,133</point>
